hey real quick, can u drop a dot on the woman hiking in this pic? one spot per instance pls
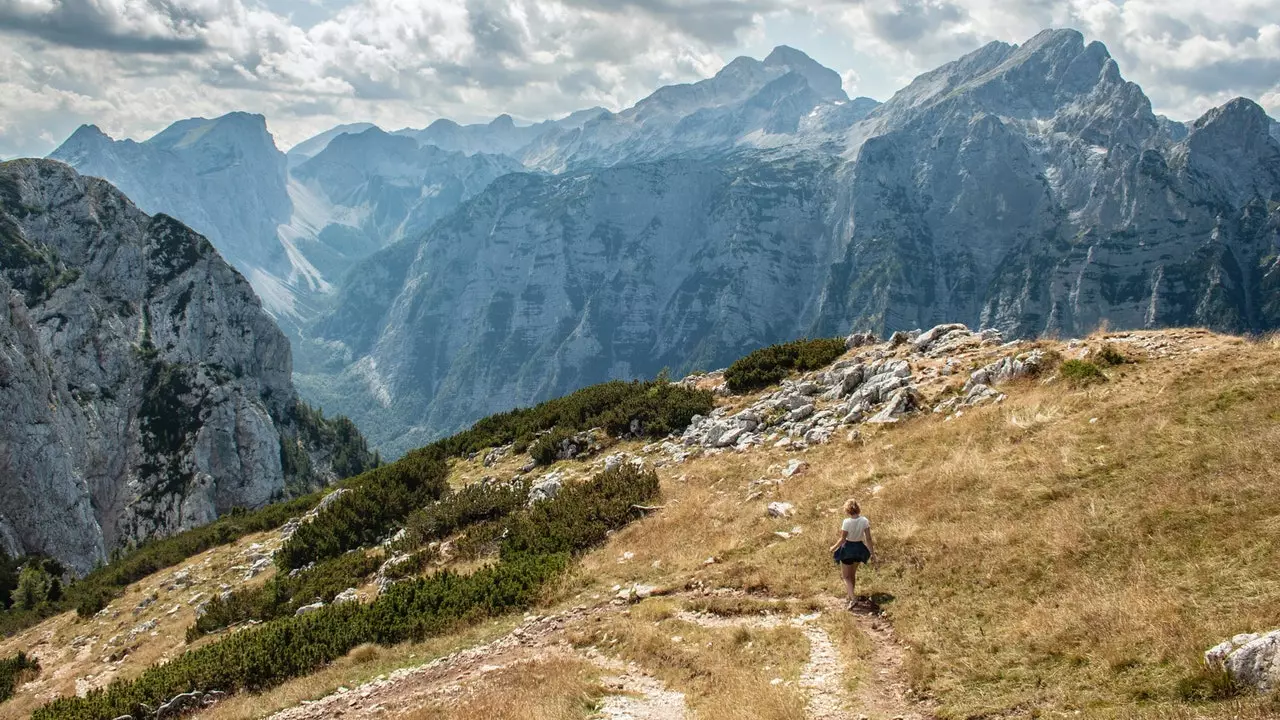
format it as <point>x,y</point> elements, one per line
<point>854,546</point>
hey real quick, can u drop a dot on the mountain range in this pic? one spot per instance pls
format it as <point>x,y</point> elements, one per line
<point>430,277</point>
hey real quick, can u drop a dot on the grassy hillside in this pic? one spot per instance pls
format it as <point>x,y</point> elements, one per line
<point>1068,552</point>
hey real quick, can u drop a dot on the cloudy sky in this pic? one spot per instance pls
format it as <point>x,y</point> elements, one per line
<point>134,66</point>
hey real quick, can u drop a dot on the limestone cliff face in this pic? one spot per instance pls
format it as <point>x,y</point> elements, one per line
<point>143,390</point>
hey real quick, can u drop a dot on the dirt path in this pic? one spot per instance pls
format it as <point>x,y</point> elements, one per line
<point>882,694</point>
<point>823,677</point>
<point>634,695</point>
<point>631,693</point>
<point>883,691</point>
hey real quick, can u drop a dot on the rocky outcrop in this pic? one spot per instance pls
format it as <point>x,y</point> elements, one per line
<point>142,388</point>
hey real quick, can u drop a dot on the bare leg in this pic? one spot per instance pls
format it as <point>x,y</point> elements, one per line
<point>849,574</point>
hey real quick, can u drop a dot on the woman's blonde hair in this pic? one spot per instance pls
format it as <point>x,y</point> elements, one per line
<point>851,507</point>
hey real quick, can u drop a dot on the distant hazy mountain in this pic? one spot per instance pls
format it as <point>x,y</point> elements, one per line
<point>312,146</point>
<point>501,136</point>
<point>293,225</point>
<point>1027,188</point>
<point>142,388</point>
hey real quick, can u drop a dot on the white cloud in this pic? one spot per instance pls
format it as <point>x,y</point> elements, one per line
<point>133,66</point>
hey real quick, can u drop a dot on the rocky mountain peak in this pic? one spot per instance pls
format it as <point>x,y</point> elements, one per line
<point>1231,149</point>
<point>823,80</point>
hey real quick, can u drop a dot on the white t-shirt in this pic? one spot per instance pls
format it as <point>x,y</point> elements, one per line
<point>856,528</point>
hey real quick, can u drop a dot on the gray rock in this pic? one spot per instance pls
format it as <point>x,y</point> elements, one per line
<point>349,595</point>
<point>179,704</point>
<point>1251,660</point>
<point>903,401</point>
<point>780,509</point>
<point>795,467</point>
<point>1006,369</point>
<point>934,334</point>
<point>545,488</point>
<point>858,340</point>
<point>306,609</point>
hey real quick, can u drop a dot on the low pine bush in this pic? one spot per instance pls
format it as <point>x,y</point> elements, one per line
<point>768,366</point>
<point>653,409</point>
<point>1081,372</point>
<point>1108,355</point>
<point>91,593</point>
<point>545,449</point>
<point>283,595</point>
<point>13,671</point>
<point>378,501</point>
<point>472,504</point>
<point>581,515</point>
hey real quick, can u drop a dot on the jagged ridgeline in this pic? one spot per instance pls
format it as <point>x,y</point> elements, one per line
<point>143,390</point>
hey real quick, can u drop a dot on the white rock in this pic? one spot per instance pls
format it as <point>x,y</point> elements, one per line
<point>305,609</point>
<point>780,509</point>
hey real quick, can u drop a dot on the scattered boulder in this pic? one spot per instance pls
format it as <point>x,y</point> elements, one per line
<point>795,467</point>
<point>1007,368</point>
<point>495,455</point>
<point>935,333</point>
<point>179,705</point>
<point>1251,660</point>
<point>305,609</point>
<point>546,487</point>
<point>780,509</point>
<point>903,401</point>
<point>346,596</point>
<point>328,500</point>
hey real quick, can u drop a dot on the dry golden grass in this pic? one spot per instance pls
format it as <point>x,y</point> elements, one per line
<point>722,671</point>
<point>1037,560</point>
<point>554,688</point>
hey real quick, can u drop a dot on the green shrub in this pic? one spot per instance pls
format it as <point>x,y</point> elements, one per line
<point>262,657</point>
<point>768,366</point>
<point>472,504</point>
<point>379,499</point>
<point>283,595</point>
<point>13,671</point>
<point>1107,355</point>
<point>265,656</point>
<point>545,449</point>
<point>9,569</point>
<point>1081,372</point>
<point>383,497</point>
<point>347,449</point>
<point>415,563</point>
<point>656,408</point>
<point>582,514</point>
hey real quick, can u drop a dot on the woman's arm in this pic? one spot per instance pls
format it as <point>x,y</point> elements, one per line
<point>844,535</point>
<point>871,546</point>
